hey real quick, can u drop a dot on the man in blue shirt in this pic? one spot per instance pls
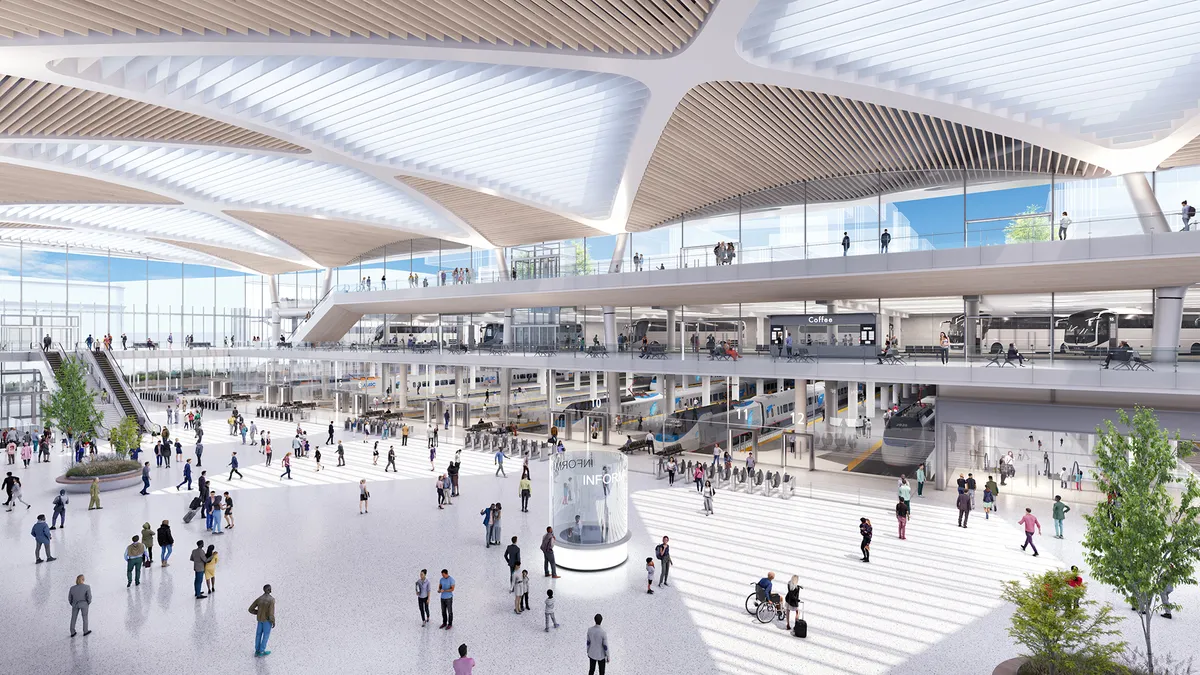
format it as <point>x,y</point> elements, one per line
<point>187,475</point>
<point>233,466</point>
<point>766,583</point>
<point>41,535</point>
<point>446,589</point>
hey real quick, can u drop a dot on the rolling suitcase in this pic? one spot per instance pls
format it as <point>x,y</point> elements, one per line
<point>800,629</point>
<point>187,517</point>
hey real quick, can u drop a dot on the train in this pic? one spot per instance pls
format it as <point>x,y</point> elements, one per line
<point>908,436</point>
<point>655,330</point>
<point>560,335</point>
<point>698,429</point>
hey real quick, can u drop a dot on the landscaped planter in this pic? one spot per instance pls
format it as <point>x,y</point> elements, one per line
<point>114,481</point>
<point>1010,667</point>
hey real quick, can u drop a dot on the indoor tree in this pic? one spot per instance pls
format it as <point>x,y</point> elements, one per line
<point>1146,538</point>
<point>1029,225</point>
<point>1056,624</point>
<point>125,436</point>
<point>72,408</point>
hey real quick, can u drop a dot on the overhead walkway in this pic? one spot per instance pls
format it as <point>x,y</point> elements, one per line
<point>1141,261</point>
<point>1040,373</point>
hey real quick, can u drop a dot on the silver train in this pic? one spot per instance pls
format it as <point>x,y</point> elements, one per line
<point>908,436</point>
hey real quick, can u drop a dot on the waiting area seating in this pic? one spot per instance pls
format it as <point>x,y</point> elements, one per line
<point>1127,359</point>
<point>632,445</point>
<point>597,351</point>
<point>545,350</point>
<point>655,351</point>
<point>800,355</point>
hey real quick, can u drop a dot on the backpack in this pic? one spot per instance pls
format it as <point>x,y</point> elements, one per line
<point>1191,211</point>
<point>793,596</point>
<point>658,551</point>
<point>58,502</point>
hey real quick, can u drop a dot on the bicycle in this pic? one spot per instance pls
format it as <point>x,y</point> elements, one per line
<point>762,607</point>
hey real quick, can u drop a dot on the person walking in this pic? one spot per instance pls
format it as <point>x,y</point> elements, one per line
<point>228,510</point>
<point>422,587</point>
<point>187,476</point>
<point>550,618</point>
<point>145,479</point>
<point>80,599</point>
<point>432,453</point>
<point>404,435</point>
<point>1060,514</point>
<point>905,494</point>
<point>1030,522</point>
<point>60,510</point>
<point>317,458</point>
<point>233,466</point>
<point>166,543</point>
<point>698,475</point>
<point>597,647</point>
<point>363,496</point>
<point>524,490</point>
<point>708,493</point>
<point>512,555</point>
<point>329,440</point>
<point>41,538</point>
<point>991,485</point>
<point>199,559</point>
<point>263,609</point>
<point>963,502</point>
<point>663,553</point>
<point>845,243</point>
<point>391,460</point>
<point>549,567</point>
<point>199,451</point>
<point>94,495</point>
<point>463,665</point>
<point>148,541</point>
<point>135,557</point>
<point>902,515</point>
<point>500,464</point>
<point>287,466</point>
<point>341,455</point>
<point>865,529</point>
<point>446,593</point>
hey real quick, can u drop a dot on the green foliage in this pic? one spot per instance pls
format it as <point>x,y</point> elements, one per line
<point>72,408</point>
<point>125,437</point>
<point>1028,227</point>
<point>1055,622</point>
<point>583,264</point>
<point>104,465</point>
<point>1146,539</point>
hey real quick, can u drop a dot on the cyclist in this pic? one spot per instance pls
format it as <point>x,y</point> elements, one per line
<point>765,583</point>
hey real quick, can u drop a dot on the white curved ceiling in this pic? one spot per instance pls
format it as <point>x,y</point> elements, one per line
<point>102,242</point>
<point>1111,70</point>
<point>453,119</point>
<point>246,180</point>
<point>554,137</point>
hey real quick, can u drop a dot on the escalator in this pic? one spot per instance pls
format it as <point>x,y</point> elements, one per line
<point>55,360</point>
<point>116,386</point>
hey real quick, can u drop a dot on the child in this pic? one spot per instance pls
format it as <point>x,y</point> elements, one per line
<point>524,590</point>
<point>550,618</point>
<point>988,500</point>
<point>649,576</point>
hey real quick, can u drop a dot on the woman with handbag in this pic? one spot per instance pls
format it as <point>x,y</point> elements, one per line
<point>709,492</point>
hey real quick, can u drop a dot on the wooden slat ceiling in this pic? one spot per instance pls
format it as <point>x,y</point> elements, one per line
<point>23,185</point>
<point>622,26</point>
<point>503,222</point>
<point>733,138</point>
<point>1188,155</point>
<point>331,243</point>
<point>399,250</point>
<point>259,263</point>
<point>5,225</point>
<point>31,109</point>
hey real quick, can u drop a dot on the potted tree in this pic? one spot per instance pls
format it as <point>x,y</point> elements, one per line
<point>1063,631</point>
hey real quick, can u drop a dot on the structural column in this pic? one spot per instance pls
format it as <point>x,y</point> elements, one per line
<point>668,395</point>
<point>1145,205</point>
<point>551,396</point>
<point>402,387</point>
<point>505,376</point>
<point>760,387</point>
<point>1168,317</point>
<point>594,385</point>
<point>970,325</point>
<point>508,327</point>
<point>671,336</point>
<point>831,404</point>
<point>705,390</point>
<point>614,406</point>
<point>274,286</point>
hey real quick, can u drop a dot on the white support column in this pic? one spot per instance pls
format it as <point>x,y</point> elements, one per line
<point>505,376</point>
<point>460,374</point>
<point>1145,205</point>
<point>895,394</point>
<point>594,385</point>
<point>734,393</point>
<point>610,327</point>
<point>502,260</point>
<point>327,283</point>
<point>800,412</point>
<point>779,384</point>
<point>1168,317</point>
<point>831,404</point>
<point>869,401</point>
<point>578,380</point>
<point>551,395</point>
<point>760,387</point>
<point>671,334</point>
<point>614,409</point>
<point>474,374</point>
<point>668,394</point>
<point>508,327</point>
<point>705,390</point>
<point>274,286</point>
<point>402,386</point>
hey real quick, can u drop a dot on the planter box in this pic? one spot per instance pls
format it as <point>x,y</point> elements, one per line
<point>1010,666</point>
<point>115,481</point>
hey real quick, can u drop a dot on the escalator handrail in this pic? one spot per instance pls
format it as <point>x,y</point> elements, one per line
<point>134,400</point>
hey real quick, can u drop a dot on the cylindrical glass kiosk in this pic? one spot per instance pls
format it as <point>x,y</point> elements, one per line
<point>589,508</point>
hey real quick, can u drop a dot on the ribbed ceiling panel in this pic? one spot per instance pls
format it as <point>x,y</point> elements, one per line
<point>331,243</point>
<point>625,26</point>
<point>553,137</point>
<point>223,256</point>
<point>1113,71</point>
<point>502,221</point>
<point>25,185</point>
<point>29,108</point>
<point>158,221</point>
<point>730,138</point>
<point>100,242</point>
<point>246,180</point>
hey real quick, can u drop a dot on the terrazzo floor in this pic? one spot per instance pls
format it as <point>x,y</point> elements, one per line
<point>343,581</point>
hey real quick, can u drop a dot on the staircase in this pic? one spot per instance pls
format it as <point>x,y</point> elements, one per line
<point>55,360</point>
